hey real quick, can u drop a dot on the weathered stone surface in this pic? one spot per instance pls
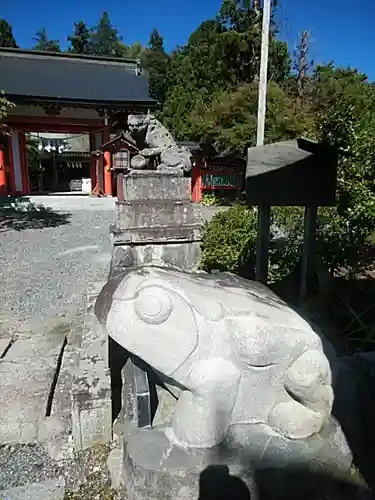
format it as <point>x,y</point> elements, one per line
<point>150,185</point>
<point>54,433</point>
<point>154,141</point>
<point>157,209</point>
<point>147,214</point>
<point>177,157</point>
<point>139,162</point>
<point>157,235</point>
<point>251,369</point>
<point>182,255</point>
<point>156,469</point>
<point>90,384</point>
<point>167,400</point>
<point>157,223</point>
<point>52,489</point>
<point>24,388</point>
<point>115,464</point>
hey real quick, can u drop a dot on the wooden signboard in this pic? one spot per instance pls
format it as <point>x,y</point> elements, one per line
<point>216,178</point>
<point>292,173</point>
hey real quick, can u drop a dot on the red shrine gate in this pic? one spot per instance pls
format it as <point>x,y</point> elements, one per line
<point>14,150</point>
<point>65,93</point>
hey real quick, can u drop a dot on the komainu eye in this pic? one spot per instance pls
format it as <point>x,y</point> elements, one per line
<point>153,305</point>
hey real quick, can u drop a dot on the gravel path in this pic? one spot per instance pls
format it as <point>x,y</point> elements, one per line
<point>22,464</point>
<point>48,261</point>
<point>49,258</point>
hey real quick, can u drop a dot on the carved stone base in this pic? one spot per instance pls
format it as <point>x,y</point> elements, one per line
<point>156,223</point>
<point>266,467</point>
<point>155,469</point>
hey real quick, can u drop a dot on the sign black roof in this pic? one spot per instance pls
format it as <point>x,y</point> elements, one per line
<point>50,77</point>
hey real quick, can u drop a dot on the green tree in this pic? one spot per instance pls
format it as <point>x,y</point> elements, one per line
<point>135,50</point>
<point>105,39</point>
<point>80,40</point>
<point>5,105</point>
<point>337,107</point>
<point>230,120</point>
<point>156,41</point>
<point>6,35</point>
<point>155,60</point>
<point>220,56</point>
<point>43,43</point>
<point>343,102</point>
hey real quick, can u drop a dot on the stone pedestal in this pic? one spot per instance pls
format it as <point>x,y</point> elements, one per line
<point>153,468</point>
<point>157,223</point>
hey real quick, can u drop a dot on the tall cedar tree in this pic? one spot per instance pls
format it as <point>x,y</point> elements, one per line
<point>80,40</point>
<point>6,35</point>
<point>155,60</point>
<point>44,43</point>
<point>105,39</point>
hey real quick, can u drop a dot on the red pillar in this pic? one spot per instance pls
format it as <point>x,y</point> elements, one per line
<point>107,164</point>
<point>3,180</point>
<point>93,160</point>
<point>11,166</point>
<point>24,164</point>
<point>196,181</point>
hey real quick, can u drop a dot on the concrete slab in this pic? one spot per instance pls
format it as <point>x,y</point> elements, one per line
<point>26,375</point>
<point>4,344</point>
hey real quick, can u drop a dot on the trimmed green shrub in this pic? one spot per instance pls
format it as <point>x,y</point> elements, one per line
<point>229,241</point>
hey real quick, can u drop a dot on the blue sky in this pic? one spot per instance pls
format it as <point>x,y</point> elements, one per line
<point>338,31</point>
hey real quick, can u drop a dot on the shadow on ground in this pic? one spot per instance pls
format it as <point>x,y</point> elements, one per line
<point>216,483</point>
<point>20,213</point>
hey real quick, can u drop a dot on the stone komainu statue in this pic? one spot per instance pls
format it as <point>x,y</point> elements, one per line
<point>157,147</point>
<point>250,370</point>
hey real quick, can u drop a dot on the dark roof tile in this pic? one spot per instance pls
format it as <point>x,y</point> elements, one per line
<point>57,77</point>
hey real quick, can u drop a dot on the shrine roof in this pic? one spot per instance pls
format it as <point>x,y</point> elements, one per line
<point>280,155</point>
<point>46,77</point>
<point>122,138</point>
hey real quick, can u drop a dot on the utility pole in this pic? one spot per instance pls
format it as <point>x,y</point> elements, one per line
<point>263,238</point>
<point>262,96</point>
